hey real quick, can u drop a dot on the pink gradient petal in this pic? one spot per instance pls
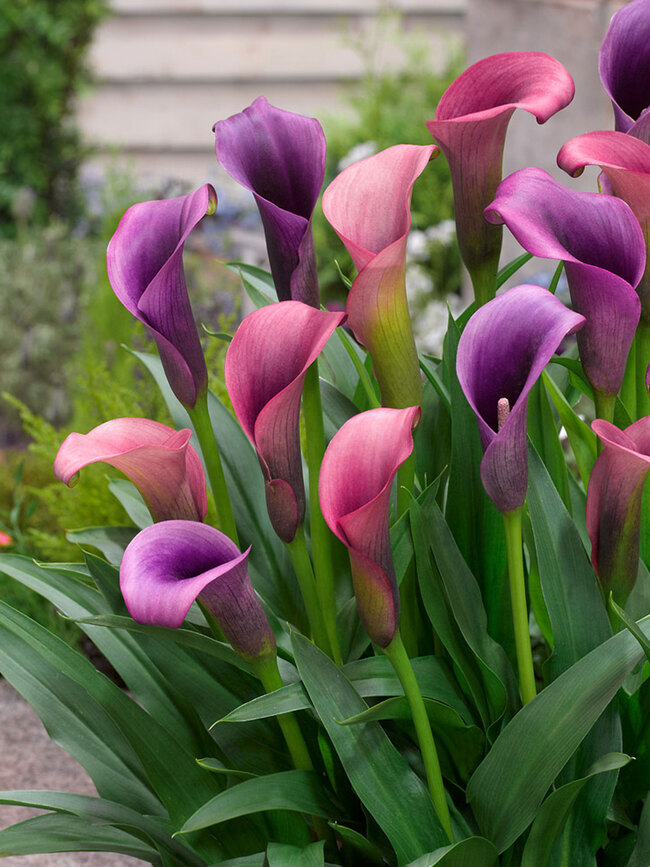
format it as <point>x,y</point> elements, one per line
<point>167,566</point>
<point>501,354</point>
<point>614,504</point>
<point>368,205</point>
<point>265,370</point>
<point>356,476</point>
<point>470,126</point>
<point>145,268</point>
<point>160,462</point>
<point>601,243</point>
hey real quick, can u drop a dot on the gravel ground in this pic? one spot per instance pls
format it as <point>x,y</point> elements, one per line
<point>30,760</point>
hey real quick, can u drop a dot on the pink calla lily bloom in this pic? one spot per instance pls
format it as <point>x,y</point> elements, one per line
<point>5,539</point>
<point>601,244</point>
<point>145,268</point>
<point>159,460</point>
<point>169,565</point>
<point>265,369</point>
<point>614,504</point>
<point>356,476</point>
<point>625,162</point>
<point>470,126</point>
<point>368,205</point>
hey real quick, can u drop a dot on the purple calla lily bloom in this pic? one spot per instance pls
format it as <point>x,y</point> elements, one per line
<point>265,370</point>
<point>625,161</point>
<point>159,460</point>
<point>356,476</point>
<point>601,244</point>
<point>470,126</point>
<point>355,203</point>
<point>169,565</point>
<point>501,353</point>
<point>614,504</point>
<point>280,157</point>
<point>624,66</point>
<point>145,268</point>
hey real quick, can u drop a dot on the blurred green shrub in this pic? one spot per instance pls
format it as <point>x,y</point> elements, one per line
<point>388,108</point>
<point>42,49</point>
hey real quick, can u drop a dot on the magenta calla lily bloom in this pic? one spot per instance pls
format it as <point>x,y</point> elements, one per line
<point>280,157</point>
<point>601,244</point>
<point>368,205</point>
<point>614,504</point>
<point>265,369</point>
<point>159,460</point>
<point>625,161</point>
<point>169,565</point>
<point>624,64</point>
<point>356,476</point>
<point>502,352</point>
<point>145,268</point>
<point>470,126</point>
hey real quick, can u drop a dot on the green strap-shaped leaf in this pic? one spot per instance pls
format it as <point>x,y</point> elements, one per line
<point>581,436</point>
<point>509,785</point>
<point>300,791</point>
<point>472,852</point>
<point>279,855</point>
<point>257,282</point>
<point>131,500</point>
<point>554,812</point>
<point>641,853</point>
<point>544,436</point>
<point>63,833</point>
<point>397,799</point>
<point>111,541</point>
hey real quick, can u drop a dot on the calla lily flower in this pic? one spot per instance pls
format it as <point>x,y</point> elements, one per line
<point>624,65</point>
<point>280,157</point>
<point>160,462</point>
<point>265,370</point>
<point>625,161</point>
<point>502,352</point>
<point>356,476</point>
<point>614,504</point>
<point>169,565</point>
<point>145,268</point>
<point>470,126</point>
<point>368,205</point>
<point>601,244</point>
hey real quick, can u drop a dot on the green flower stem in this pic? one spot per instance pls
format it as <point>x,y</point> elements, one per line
<point>512,524</point>
<point>604,405</point>
<point>321,540</point>
<point>404,671</point>
<point>200,418</point>
<point>297,549</point>
<point>642,341</point>
<point>364,376</point>
<point>268,672</point>
<point>628,387</point>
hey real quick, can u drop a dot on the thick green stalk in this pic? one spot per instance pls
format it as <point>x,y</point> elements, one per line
<point>297,549</point>
<point>404,671</point>
<point>642,341</point>
<point>604,405</point>
<point>321,539</point>
<point>628,387</point>
<point>268,672</point>
<point>512,524</point>
<point>200,418</point>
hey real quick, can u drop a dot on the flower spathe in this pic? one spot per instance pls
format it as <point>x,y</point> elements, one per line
<point>470,126</point>
<point>601,244</point>
<point>169,565</point>
<point>265,370</point>
<point>625,161</point>
<point>356,476</point>
<point>624,66</point>
<point>280,157</point>
<point>614,504</point>
<point>145,268</point>
<point>368,205</point>
<point>160,462</point>
<point>501,354</point>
